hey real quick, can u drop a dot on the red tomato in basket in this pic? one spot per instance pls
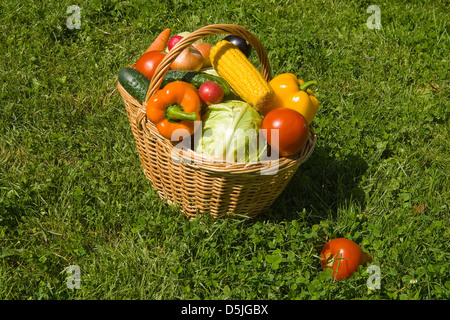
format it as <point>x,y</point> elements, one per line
<point>148,62</point>
<point>344,256</point>
<point>293,131</point>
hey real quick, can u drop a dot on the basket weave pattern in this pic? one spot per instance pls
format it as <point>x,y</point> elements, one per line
<point>200,185</point>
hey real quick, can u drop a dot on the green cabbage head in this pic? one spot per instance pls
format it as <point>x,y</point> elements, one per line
<point>230,131</point>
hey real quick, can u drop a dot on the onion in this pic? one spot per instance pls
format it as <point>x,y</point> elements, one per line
<point>188,59</point>
<point>205,49</point>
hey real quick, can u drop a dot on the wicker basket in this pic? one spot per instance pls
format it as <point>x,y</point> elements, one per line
<point>199,185</point>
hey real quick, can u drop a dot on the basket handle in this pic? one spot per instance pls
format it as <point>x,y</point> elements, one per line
<point>187,41</point>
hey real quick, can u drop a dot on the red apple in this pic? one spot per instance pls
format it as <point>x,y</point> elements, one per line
<point>173,41</point>
<point>210,92</point>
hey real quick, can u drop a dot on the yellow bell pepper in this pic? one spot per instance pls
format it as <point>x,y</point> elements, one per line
<point>294,93</point>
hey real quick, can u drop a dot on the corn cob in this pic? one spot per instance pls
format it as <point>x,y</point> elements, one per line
<point>232,65</point>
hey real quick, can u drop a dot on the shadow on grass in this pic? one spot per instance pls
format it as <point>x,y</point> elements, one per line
<point>320,186</point>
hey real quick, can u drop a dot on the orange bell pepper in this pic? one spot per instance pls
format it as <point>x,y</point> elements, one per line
<point>294,93</point>
<point>174,107</point>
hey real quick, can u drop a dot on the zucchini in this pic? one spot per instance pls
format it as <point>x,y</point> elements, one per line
<point>196,78</point>
<point>134,82</point>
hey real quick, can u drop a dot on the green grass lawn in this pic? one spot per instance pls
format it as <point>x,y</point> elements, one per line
<point>72,190</point>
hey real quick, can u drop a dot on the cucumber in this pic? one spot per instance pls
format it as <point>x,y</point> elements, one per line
<point>134,82</point>
<point>178,75</point>
<point>197,78</point>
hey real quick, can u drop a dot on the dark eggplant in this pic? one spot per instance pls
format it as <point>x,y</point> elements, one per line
<point>241,43</point>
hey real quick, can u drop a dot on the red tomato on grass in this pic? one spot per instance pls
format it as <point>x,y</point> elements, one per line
<point>148,62</point>
<point>293,130</point>
<point>344,256</point>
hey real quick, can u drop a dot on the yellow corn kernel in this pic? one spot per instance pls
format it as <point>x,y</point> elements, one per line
<point>242,76</point>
